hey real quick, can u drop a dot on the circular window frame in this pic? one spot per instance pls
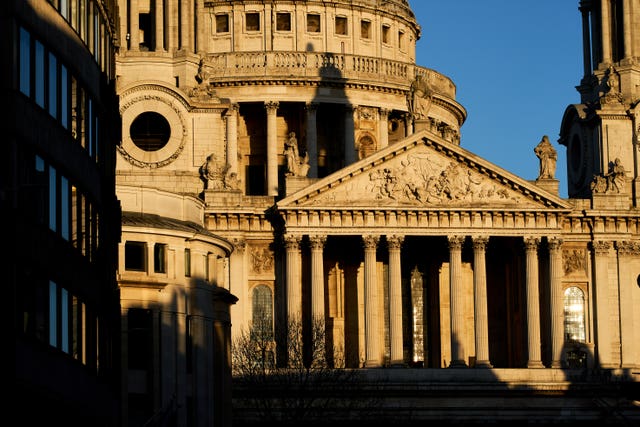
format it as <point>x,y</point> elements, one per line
<point>172,114</point>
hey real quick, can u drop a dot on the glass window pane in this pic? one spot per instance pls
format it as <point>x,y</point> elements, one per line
<point>53,314</point>
<point>39,74</point>
<point>25,62</point>
<point>52,199</point>
<point>65,203</point>
<point>262,313</point>
<point>187,262</point>
<point>53,86</point>
<point>574,314</point>
<point>64,320</point>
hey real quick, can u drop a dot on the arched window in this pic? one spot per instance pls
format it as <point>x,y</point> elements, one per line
<point>262,313</point>
<point>574,315</point>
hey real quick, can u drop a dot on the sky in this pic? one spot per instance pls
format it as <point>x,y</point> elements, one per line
<point>515,64</point>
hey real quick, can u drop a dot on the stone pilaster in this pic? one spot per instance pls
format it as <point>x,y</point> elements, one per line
<point>628,266</point>
<point>232,138</point>
<point>312,139</point>
<point>604,334</point>
<point>556,301</point>
<point>383,127</point>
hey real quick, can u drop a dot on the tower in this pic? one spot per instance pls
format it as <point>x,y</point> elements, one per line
<point>605,125</point>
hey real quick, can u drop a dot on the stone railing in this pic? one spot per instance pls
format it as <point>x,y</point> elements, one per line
<point>315,65</point>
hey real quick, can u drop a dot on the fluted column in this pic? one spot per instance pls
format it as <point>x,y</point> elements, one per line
<point>371,326</point>
<point>312,139</point>
<point>457,302</point>
<point>480,301</point>
<point>134,26</point>
<point>200,37</point>
<point>586,39</point>
<point>317,277</point>
<point>272,149</point>
<point>628,41</point>
<point>533,303</point>
<point>606,31</point>
<point>186,33</point>
<point>349,135</point>
<point>172,25</point>
<point>232,138</point>
<point>604,336</point>
<point>294,286</point>
<point>557,306</point>
<point>394,244</point>
<point>383,127</point>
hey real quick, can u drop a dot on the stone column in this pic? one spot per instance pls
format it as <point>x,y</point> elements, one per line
<point>312,139</point>
<point>394,244</point>
<point>408,124</point>
<point>604,335</point>
<point>628,263</point>
<point>272,149</point>
<point>628,43</point>
<point>294,286</point>
<point>383,127</point>
<point>606,31</point>
<point>232,138</point>
<point>371,326</point>
<point>457,302</point>
<point>200,37</point>
<point>586,40</point>
<point>480,301</point>
<point>238,286</point>
<point>171,30</point>
<point>533,303</point>
<point>557,306</point>
<point>186,33</point>
<point>349,135</point>
<point>159,26</point>
<point>317,277</point>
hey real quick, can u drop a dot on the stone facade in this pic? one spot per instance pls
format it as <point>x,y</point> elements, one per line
<point>411,250</point>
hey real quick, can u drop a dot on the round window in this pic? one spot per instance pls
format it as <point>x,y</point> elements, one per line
<point>150,131</point>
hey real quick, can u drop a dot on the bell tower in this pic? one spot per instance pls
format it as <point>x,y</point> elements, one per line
<point>602,132</point>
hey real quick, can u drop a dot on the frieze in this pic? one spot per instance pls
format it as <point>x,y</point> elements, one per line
<point>628,248</point>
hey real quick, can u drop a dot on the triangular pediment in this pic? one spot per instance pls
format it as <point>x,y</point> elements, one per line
<point>423,171</point>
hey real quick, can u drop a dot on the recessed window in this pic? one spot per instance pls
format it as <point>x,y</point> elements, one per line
<point>159,258</point>
<point>262,313</point>
<point>365,29</point>
<point>574,315</point>
<point>187,262</point>
<point>283,21</point>
<point>134,256</point>
<point>313,23</point>
<point>401,40</point>
<point>252,21</point>
<point>385,34</point>
<point>150,131</point>
<point>341,25</point>
<point>222,23</point>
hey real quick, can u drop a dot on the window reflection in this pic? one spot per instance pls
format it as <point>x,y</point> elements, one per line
<point>574,314</point>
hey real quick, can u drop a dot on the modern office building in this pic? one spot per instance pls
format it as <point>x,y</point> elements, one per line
<point>286,160</point>
<point>60,216</point>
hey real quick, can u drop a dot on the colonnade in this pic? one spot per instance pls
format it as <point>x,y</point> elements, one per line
<point>372,337</point>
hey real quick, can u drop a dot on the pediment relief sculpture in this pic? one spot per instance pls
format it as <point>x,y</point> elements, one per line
<point>420,178</point>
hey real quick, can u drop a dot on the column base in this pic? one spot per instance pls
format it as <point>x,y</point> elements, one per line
<point>535,364</point>
<point>372,364</point>
<point>458,364</point>
<point>556,364</point>
<point>483,364</point>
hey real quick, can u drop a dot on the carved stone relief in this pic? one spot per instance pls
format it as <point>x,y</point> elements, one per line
<point>261,259</point>
<point>574,260</point>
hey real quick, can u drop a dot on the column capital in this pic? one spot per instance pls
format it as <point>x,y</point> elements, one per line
<point>311,106</point>
<point>601,247</point>
<point>240,245</point>
<point>292,241</point>
<point>370,241</point>
<point>531,243</point>
<point>480,242</point>
<point>627,248</point>
<point>455,242</point>
<point>395,241</point>
<point>233,108</point>
<point>317,241</point>
<point>555,244</point>
<point>271,106</point>
<point>384,113</point>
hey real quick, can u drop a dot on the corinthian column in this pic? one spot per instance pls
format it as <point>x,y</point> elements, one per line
<point>294,286</point>
<point>272,149</point>
<point>533,303</point>
<point>395,299</point>
<point>457,302</point>
<point>557,307</point>
<point>317,278</point>
<point>232,138</point>
<point>480,301</point>
<point>349,135</point>
<point>606,31</point>
<point>371,326</point>
<point>312,139</point>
